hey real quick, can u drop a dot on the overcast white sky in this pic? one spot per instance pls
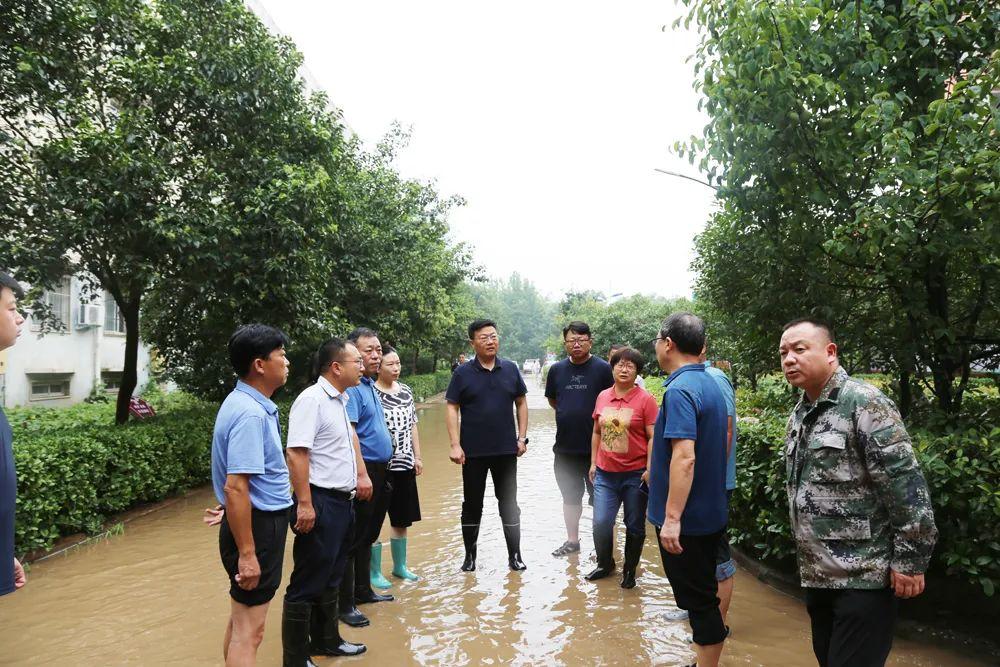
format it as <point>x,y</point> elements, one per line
<point>548,117</point>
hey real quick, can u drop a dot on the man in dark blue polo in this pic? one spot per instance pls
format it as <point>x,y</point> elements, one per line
<point>687,483</point>
<point>366,414</point>
<point>484,392</point>
<point>11,577</point>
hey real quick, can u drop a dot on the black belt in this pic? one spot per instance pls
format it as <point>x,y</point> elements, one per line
<point>333,493</point>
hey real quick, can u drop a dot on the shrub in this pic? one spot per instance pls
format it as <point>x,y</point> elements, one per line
<point>75,468</point>
<point>427,385</point>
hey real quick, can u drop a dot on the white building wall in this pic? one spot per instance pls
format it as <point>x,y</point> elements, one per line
<point>82,355</point>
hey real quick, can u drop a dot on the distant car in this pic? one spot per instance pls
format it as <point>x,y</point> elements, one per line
<point>531,366</point>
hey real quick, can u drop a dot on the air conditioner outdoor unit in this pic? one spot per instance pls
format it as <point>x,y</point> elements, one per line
<point>89,316</point>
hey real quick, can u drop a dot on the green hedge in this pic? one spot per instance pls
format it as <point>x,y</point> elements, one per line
<point>75,468</point>
<point>961,463</point>
<point>427,385</point>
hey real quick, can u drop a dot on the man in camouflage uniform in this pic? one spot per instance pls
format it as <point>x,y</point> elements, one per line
<point>860,510</point>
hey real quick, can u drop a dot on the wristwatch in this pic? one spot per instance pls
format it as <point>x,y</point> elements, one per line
<point>524,440</point>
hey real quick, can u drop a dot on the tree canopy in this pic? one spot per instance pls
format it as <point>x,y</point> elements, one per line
<point>855,150</point>
<point>169,153</point>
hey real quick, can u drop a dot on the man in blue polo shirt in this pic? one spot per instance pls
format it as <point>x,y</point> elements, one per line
<point>11,577</point>
<point>365,412</point>
<point>250,479</point>
<point>687,485</point>
<point>484,392</point>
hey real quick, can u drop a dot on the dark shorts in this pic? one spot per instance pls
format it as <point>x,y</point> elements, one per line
<point>692,577</point>
<point>269,532</point>
<point>573,476</point>
<point>404,504</point>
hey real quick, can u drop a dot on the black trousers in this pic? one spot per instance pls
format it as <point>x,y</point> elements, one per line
<point>503,469</point>
<point>320,555</point>
<point>692,577</point>
<point>851,626</point>
<point>369,515</point>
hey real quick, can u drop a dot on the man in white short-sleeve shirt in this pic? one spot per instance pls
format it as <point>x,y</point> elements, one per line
<point>326,470</point>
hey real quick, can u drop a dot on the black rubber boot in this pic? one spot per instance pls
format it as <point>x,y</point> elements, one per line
<point>295,634</point>
<point>348,611</point>
<point>324,629</point>
<point>470,535</point>
<point>605,559</point>
<point>363,593</point>
<point>512,534</point>
<point>633,553</point>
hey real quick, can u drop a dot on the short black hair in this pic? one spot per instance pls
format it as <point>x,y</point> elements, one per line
<point>480,324</point>
<point>628,354</point>
<point>361,332</point>
<point>577,327</point>
<point>6,280</point>
<point>253,341</point>
<point>389,349</point>
<point>617,346</point>
<point>687,330</point>
<point>815,321</point>
<point>329,351</point>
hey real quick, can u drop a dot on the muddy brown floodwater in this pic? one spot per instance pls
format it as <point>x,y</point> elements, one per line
<point>157,595</point>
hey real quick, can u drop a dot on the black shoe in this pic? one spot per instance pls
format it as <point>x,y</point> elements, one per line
<point>367,596</point>
<point>354,618</point>
<point>324,630</point>
<point>633,553</point>
<point>470,535</point>
<point>605,561</point>
<point>512,535</point>
<point>295,634</point>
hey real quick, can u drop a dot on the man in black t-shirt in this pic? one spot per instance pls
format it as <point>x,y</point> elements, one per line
<point>572,387</point>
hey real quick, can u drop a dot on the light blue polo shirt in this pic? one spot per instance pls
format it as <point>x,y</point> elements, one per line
<point>729,394</point>
<point>366,413</point>
<point>247,440</point>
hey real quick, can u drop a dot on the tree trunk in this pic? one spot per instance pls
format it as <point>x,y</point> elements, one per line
<point>905,394</point>
<point>130,374</point>
<point>416,356</point>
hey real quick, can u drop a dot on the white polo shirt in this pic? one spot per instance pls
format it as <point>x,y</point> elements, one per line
<point>318,422</point>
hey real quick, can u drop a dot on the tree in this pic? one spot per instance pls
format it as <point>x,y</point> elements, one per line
<point>855,147</point>
<point>524,317</point>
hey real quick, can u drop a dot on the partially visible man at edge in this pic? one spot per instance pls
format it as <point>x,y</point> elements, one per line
<point>860,508</point>
<point>250,480</point>
<point>11,578</point>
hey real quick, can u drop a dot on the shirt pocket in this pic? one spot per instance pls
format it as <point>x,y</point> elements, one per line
<point>829,458</point>
<point>841,528</point>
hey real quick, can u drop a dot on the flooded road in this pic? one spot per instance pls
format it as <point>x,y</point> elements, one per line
<point>157,595</point>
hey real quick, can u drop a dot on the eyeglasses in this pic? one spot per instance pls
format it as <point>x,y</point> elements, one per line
<point>576,341</point>
<point>487,338</point>
<point>655,341</point>
<point>626,365</point>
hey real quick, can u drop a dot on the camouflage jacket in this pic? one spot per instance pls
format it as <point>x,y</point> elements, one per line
<point>859,503</point>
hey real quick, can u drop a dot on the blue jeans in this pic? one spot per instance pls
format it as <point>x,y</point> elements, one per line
<point>611,491</point>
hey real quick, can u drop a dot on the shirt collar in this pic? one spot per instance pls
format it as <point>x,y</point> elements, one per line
<point>830,392</point>
<point>496,364</point>
<point>627,397</point>
<point>266,403</point>
<point>367,380</point>
<point>332,391</point>
<point>695,368</point>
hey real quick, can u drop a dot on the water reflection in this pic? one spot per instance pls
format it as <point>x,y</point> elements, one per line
<point>157,595</point>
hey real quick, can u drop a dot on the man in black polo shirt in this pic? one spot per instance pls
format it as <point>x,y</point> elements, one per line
<point>484,392</point>
<point>572,387</point>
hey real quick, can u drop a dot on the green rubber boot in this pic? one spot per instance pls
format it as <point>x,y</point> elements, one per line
<point>378,580</point>
<point>398,545</point>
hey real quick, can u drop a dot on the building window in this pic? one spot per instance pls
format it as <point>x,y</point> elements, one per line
<point>58,300</point>
<point>45,387</point>
<point>113,320</point>
<point>112,381</point>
